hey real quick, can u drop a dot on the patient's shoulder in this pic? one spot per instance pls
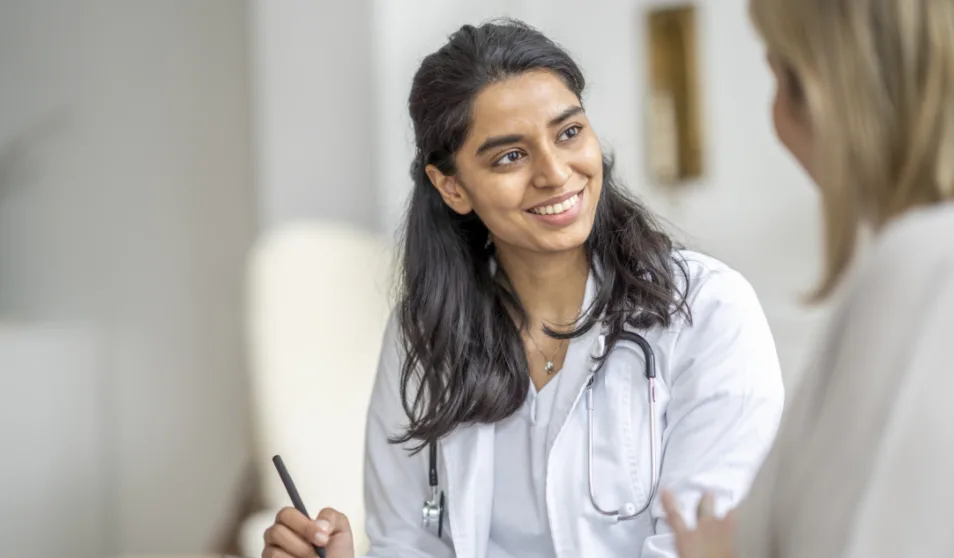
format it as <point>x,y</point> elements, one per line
<point>912,258</point>
<point>904,282</point>
<point>918,239</point>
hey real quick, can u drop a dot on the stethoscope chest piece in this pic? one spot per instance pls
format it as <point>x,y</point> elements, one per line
<point>432,514</point>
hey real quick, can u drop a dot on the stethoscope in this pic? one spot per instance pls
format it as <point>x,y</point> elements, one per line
<point>433,514</point>
<point>433,511</point>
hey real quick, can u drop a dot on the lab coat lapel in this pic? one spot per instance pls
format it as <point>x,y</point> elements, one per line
<point>468,455</point>
<point>576,368</point>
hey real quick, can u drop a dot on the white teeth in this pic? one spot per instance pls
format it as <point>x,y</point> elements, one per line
<point>557,208</point>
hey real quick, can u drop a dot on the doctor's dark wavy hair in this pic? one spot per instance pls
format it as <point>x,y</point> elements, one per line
<point>465,361</point>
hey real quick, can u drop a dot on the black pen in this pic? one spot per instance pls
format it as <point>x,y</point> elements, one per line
<point>293,494</point>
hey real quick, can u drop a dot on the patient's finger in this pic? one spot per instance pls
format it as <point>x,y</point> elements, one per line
<point>706,506</point>
<point>672,513</point>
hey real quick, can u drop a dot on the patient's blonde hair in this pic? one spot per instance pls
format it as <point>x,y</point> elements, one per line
<point>877,80</point>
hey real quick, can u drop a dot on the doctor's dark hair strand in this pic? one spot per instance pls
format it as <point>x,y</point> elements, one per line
<point>464,359</point>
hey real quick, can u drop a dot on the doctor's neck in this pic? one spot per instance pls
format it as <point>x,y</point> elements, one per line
<point>551,286</point>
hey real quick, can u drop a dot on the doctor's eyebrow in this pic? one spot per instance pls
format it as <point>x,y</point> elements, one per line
<point>566,114</point>
<point>497,141</point>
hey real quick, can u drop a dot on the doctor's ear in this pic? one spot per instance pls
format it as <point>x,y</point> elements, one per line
<point>450,190</point>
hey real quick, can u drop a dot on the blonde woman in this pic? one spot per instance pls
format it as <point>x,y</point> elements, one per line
<point>864,462</point>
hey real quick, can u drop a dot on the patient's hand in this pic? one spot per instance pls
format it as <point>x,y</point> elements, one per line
<point>293,535</point>
<point>712,537</point>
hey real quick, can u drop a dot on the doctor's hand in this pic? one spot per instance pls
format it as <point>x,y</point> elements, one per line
<point>293,535</point>
<point>712,537</point>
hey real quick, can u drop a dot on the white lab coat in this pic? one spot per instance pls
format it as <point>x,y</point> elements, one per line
<point>864,462</point>
<point>719,400</point>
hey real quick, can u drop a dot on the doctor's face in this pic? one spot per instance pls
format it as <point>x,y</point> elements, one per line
<point>530,167</point>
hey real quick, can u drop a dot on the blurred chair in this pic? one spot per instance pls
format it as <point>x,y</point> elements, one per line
<point>318,306</point>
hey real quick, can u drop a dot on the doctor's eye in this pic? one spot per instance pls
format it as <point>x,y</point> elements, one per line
<point>508,158</point>
<point>570,132</point>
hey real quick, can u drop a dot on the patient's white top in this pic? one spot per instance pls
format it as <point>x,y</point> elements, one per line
<point>519,527</point>
<point>863,466</point>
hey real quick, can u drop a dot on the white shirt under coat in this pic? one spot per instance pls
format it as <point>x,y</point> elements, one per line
<point>518,526</point>
<point>719,398</point>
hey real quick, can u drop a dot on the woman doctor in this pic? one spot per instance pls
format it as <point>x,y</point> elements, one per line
<point>525,264</point>
<point>864,462</point>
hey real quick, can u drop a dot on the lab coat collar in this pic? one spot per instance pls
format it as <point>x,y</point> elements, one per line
<point>577,366</point>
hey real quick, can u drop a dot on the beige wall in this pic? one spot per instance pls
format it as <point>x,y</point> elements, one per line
<point>312,111</point>
<point>126,206</point>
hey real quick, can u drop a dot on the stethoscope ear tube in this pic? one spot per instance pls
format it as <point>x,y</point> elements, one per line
<point>627,510</point>
<point>432,465</point>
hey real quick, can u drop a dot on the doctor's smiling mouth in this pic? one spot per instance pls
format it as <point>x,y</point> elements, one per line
<point>559,211</point>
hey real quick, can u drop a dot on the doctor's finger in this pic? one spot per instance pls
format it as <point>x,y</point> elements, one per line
<point>672,513</point>
<point>275,552</point>
<point>281,537</point>
<point>298,522</point>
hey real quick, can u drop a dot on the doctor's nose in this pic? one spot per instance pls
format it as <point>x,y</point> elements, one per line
<point>550,170</point>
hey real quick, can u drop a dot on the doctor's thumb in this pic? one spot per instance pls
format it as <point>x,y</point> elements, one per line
<point>336,528</point>
<point>337,522</point>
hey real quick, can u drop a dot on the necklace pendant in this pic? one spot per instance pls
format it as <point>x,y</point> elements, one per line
<point>548,368</point>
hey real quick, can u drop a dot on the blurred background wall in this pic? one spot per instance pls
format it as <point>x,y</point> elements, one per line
<point>145,145</point>
<point>126,212</point>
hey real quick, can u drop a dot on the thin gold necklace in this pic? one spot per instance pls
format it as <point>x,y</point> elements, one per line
<point>549,367</point>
